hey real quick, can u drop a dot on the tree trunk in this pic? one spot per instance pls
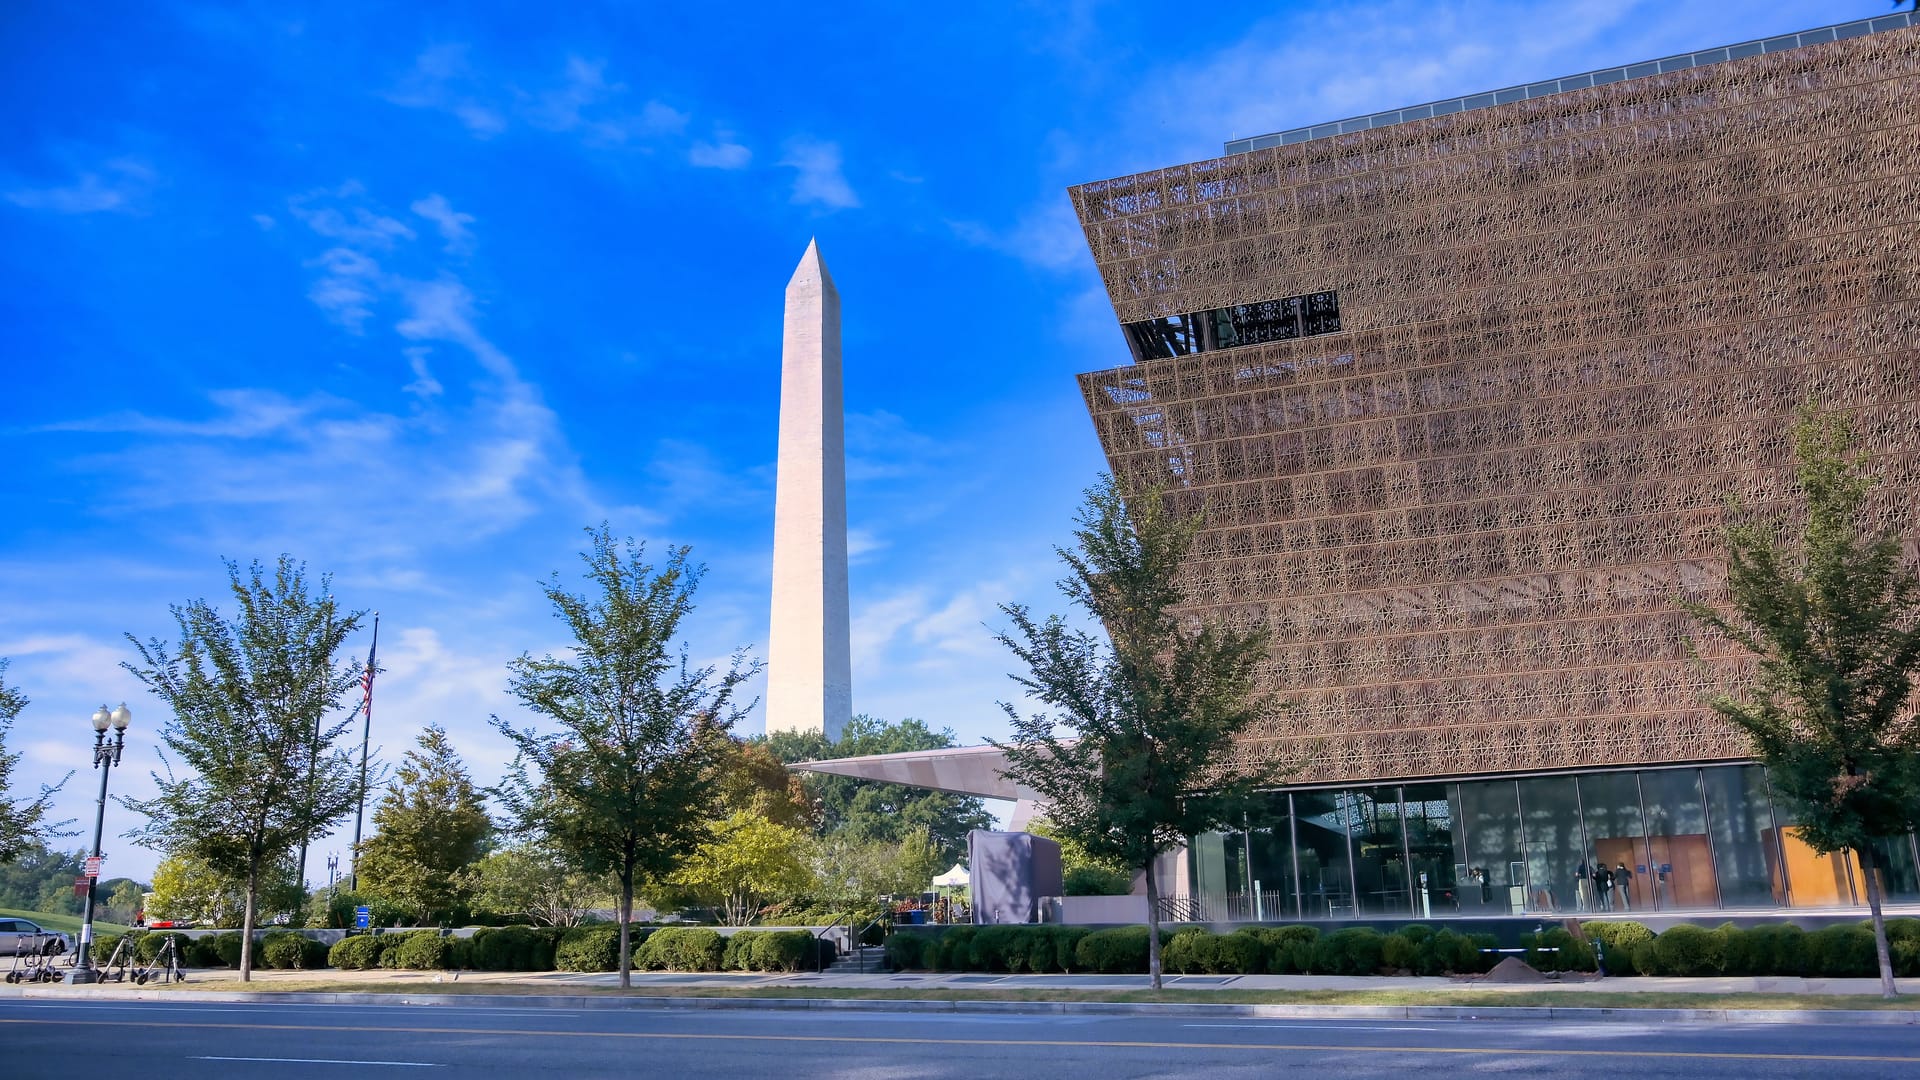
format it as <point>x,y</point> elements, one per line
<point>1153,926</point>
<point>1865,854</point>
<point>246,925</point>
<point>626,930</point>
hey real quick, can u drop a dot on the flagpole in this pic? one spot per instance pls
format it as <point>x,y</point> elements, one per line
<point>366,733</point>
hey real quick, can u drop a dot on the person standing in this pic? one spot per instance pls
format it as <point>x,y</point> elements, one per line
<point>1603,887</point>
<point>1582,887</point>
<point>1623,885</point>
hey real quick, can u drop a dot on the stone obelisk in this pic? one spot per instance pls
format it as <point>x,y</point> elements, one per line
<point>809,672</point>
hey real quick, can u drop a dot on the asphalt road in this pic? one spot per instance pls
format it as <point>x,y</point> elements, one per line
<point>322,1042</point>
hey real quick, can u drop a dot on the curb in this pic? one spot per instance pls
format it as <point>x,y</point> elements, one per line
<point>1896,1017</point>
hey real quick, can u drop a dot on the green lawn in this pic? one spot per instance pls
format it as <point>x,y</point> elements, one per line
<point>211,980</point>
<point>69,923</point>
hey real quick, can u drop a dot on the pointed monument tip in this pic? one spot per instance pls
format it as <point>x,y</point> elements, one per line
<point>812,266</point>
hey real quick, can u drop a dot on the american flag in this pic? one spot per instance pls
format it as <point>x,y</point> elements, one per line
<point>366,680</point>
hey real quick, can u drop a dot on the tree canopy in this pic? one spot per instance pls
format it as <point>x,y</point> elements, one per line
<point>625,785</point>
<point>747,863</point>
<point>23,820</point>
<point>1135,749</point>
<point>250,698</point>
<point>430,823</point>
<point>1830,611</point>
<point>871,811</point>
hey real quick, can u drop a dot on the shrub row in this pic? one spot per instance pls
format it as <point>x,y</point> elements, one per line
<point>1629,949</point>
<point>1840,951</point>
<point>1250,950</point>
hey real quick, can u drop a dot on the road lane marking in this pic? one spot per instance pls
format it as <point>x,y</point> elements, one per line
<point>1283,1025</point>
<point>883,1040</point>
<point>322,1061</point>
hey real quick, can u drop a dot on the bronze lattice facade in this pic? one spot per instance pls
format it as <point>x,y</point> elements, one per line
<point>1463,398</point>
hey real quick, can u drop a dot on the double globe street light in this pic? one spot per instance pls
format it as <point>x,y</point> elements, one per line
<point>105,756</point>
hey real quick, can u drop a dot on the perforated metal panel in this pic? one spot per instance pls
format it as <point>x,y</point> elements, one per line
<point>1571,328</point>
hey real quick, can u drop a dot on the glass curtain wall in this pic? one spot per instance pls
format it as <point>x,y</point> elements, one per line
<point>1559,869</point>
<point>1321,850</point>
<point>1379,847</point>
<point>1436,850</point>
<point>1746,857</point>
<point>1496,873</point>
<point>1677,839</point>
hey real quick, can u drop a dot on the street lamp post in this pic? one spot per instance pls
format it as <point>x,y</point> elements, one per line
<point>105,756</point>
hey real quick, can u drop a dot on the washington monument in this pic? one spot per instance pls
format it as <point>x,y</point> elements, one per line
<point>809,674</point>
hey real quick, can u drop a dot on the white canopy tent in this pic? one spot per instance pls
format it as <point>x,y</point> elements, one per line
<point>954,878</point>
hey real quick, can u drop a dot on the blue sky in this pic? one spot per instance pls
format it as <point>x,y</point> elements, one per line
<point>416,292</point>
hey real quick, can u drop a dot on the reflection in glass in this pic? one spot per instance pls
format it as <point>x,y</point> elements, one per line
<point>1496,876</point>
<point>1746,861</point>
<point>1678,850</point>
<point>1434,848</point>
<point>1274,895</point>
<point>1893,860</point>
<point>1326,869</point>
<point>1560,876</point>
<point>1610,802</point>
<point>1379,851</point>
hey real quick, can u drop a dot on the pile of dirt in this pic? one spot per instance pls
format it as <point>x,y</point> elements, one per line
<point>1513,970</point>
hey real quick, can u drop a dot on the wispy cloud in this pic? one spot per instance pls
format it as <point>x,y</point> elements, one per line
<point>451,223</point>
<point>1046,235</point>
<point>442,79</point>
<point>818,179</point>
<point>721,153</point>
<point>117,186</point>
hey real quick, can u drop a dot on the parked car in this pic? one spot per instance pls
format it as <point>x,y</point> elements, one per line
<point>22,937</point>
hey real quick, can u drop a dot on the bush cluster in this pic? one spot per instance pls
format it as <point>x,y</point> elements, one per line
<point>1839,951</point>
<point>1249,950</point>
<point>775,950</point>
<point>516,948</point>
<point>357,952</point>
<point>287,950</point>
<point>693,948</point>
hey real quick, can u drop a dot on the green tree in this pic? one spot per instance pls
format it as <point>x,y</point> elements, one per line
<point>189,888</point>
<point>746,863</point>
<point>869,810</point>
<point>624,788</point>
<point>125,900</point>
<point>23,821</point>
<point>1086,874</point>
<point>430,824</point>
<point>250,697</point>
<point>38,871</point>
<point>1136,752</point>
<point>750,779</point>
<point>1832,616</point>
<point>854,872</point>
<point>527,881</point>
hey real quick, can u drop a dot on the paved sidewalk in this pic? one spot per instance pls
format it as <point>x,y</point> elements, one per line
<point>561,982</point>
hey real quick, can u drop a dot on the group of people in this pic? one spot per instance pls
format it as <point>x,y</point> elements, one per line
<point>1603,889</point>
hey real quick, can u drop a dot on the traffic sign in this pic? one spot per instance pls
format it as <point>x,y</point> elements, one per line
<point>93,865</point>
<point>362,918</point>
<point>81,885</point>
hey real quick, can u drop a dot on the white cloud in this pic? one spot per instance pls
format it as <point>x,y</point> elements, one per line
<point>442,79</point>
<point>266,222</point>
<point>721,153</point>
<point>1047,235</point>
<point>424,385</point>
<point>118,187</point>
<point>452,224</point>
<point>818,180</point>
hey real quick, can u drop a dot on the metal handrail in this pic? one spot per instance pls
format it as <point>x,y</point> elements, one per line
<point>819,968</point>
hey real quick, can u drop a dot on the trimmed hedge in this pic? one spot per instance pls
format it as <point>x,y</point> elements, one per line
<point>516,948</point>
<point>418,950</point>
<point>357,952</point>
<point>1355,950</point>
<point>286,950</point>
<point>683,949</point>
<point>1619,941</point>
<point>1115,951</point>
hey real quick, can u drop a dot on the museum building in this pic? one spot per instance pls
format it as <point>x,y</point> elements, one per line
<point>1463,390</point>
